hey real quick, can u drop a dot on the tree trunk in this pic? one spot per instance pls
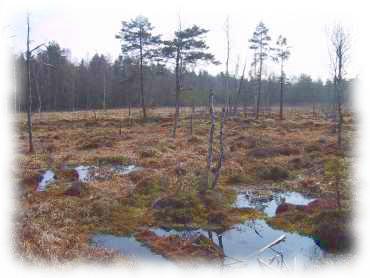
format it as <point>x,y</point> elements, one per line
<point>29,104</point>
<point>239,89</point>
<point>177,89</point>
<point>221,157</point>
<point>104,93</point>
<point>281,92</point>
<point>259,86</point>
<point>210,142</point>
<point>142,78</point>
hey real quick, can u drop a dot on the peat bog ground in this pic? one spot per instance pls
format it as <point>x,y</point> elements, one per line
<point>99,188</point>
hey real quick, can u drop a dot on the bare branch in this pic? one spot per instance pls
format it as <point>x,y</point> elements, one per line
<point>37,47</point>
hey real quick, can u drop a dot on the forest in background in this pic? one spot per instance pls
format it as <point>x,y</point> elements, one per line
<point>58,84</point>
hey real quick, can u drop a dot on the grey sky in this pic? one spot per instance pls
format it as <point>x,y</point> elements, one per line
<point>87,28</point>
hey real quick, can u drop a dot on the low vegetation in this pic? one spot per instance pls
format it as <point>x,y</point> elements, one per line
<point>171,190</point>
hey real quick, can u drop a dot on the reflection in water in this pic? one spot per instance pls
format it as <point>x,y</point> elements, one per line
<point>88,173</point>
<point>269,204</point>
<point>46,179</point>
<point>126,169</point>
<point>241,242</point>
<point>126,246</point>
<point>84,173</point>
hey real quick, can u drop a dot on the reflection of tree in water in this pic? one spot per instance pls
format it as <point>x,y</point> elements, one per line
<point>252,225</point>
<point>219,239</point>
<point>315,254</point>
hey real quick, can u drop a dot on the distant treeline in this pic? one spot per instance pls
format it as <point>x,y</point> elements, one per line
<point>58,84</point>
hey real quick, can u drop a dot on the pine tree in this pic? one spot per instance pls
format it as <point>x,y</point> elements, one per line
<point>281,54</point>
<point>260,43</point>
<point>186,48</point>
<point>139,43</point>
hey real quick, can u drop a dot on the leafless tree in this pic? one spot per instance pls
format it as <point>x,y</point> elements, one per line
<point>339,54</point>
<point>227,32</point>
<point>239,88</point>
<point>210,140</point>
<point>214,174</point>
<point>221,155</point>
<point>29,94</point>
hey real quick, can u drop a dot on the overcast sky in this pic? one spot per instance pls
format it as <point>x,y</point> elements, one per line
<point>87,28</point>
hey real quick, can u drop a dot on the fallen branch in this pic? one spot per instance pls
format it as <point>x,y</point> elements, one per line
<point>275,242</point>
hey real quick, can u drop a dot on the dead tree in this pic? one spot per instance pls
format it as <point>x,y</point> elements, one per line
<point>239,89</point>
<point>35,76</point>
<point>221,156</point>
<point>29,93</point>
<point>29,99</point>
<point>210,141</point>
<point>339,58</point>
<point>227,96</point>
<point>214,174</point>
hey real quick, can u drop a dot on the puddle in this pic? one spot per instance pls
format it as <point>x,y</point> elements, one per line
<point>46,179</point>
<point>89,173</point>
<point>240,245</point>
<point>125,169</point>
<point>84,173</point>
<point>127,246</point>
<point>242,241</point>
<point>269,203</point>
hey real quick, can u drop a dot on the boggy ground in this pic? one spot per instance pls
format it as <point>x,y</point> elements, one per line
<point>170,191</point>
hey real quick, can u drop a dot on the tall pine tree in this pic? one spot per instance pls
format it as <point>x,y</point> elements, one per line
<point>260,43</point>
<point>281,54</point>
<point>139,43</point>
<point>187,48</point>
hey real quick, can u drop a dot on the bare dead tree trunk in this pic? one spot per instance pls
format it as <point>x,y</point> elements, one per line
<point>239,89</point>
<point>210,141</point>
<point>227,96</point>
<point>178,73</point>
<point>221,157</point>
<point>29,99</point>
<point>281,92</point>
<point>142,76</point>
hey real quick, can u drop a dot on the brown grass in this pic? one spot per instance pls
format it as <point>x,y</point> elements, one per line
<point>57,227</point>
